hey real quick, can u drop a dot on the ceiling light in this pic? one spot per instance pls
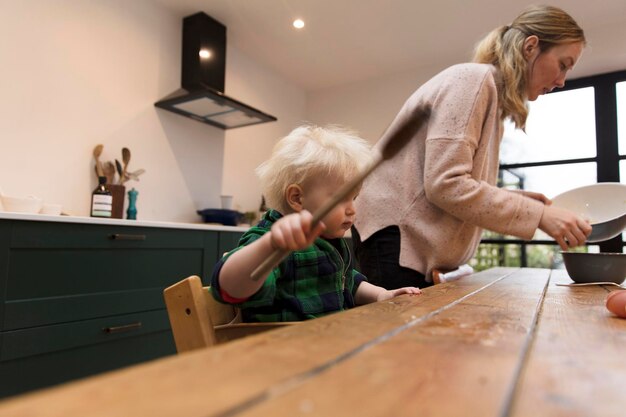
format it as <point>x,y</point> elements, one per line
<point>205,53</point>
<point>298,23</point>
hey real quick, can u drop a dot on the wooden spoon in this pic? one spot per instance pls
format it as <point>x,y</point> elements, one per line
<point>97,151</point>
<point>126,160</point>
<point>109,172</point>
<point>394,139</point>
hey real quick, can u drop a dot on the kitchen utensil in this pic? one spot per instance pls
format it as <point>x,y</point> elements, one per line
<point>120,171</point>
<point>135,175</point>
<point>109,171</point>
<point>603,204</point>
<point>587,284</point>
<point>125,160</point>
<point>595,267</point>
<point>392,141</point>
<point>97,151</point>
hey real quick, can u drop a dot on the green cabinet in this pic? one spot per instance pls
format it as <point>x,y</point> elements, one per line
<point>78,298</point>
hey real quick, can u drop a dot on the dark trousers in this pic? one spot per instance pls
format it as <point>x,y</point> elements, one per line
<point>379,260</point>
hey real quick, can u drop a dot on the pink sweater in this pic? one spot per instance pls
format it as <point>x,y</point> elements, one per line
<point>440,189</point>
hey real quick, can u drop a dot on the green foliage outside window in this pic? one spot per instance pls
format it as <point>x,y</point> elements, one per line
<point>490,255</point>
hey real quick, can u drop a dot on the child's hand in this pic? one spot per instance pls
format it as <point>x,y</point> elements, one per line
<point>294,232</point>
<point>386,295</point>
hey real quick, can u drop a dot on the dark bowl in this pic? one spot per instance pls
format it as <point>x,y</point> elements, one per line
<point>221,216</point>
<point>595,267</point>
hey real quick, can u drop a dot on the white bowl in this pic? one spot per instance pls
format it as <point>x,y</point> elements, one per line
<point>28,204</point>
<point>603,204</point>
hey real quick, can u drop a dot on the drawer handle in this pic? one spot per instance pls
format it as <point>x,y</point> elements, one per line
<point>121,329</point>
<point>121,236</point>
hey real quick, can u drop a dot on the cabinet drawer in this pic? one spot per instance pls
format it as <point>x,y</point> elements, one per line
<point>39,340</point>
<point>27,234</point>
<point>60,272</point>
<point>228,241</point>
<point>56,285</point>
<point>29,373</point>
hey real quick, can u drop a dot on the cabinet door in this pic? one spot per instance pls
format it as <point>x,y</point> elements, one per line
<point>33,372</point>
<point>224,242</point>
<point>228,241</point>
<point>67,272</point>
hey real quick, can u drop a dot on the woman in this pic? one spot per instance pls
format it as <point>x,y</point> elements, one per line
<point>425,209</point>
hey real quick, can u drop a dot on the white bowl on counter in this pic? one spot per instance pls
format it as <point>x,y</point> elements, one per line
<point>28,204</point>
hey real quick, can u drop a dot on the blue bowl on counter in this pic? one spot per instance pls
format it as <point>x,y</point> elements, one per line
<point>221,216</point>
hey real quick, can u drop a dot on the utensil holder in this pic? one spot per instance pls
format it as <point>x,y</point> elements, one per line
<point>118,192</point>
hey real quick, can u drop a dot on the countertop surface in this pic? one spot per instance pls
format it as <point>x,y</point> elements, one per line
<point>119,222</point>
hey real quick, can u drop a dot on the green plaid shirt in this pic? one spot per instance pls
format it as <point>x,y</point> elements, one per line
<point>309,283</point>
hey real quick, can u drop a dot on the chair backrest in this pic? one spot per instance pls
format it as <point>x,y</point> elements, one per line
<point>193,313</point>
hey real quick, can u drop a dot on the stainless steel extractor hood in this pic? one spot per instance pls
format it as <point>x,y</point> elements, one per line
<point>203,72</point>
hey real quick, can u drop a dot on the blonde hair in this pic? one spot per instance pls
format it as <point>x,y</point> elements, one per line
<point>503,48</point>
<point>310,151</point>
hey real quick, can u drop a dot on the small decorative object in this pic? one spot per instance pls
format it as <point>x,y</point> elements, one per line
<point>101,199</point>
<point>250,217</point>
<point>227,202</point>
<point>131,212</point>
<point>118,190</point>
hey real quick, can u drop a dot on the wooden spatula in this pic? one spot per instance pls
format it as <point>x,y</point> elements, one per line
<point>394,139</point>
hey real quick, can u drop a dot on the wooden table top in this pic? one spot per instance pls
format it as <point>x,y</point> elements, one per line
<point>502,342</point>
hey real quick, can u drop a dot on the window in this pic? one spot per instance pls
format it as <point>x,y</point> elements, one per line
<point>575,136</point>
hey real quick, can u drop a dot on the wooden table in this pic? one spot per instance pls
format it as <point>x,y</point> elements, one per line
<point>503,342</point>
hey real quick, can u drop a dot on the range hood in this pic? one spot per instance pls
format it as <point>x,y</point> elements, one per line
<point>203,72</point>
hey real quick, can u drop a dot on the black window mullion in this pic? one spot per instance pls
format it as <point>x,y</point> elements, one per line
<point>606,131</point>
<point>606,143</point>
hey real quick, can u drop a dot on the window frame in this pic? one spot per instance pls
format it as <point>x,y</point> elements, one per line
<point>607,157</point>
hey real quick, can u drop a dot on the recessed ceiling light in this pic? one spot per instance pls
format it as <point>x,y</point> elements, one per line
<point>205,53</point>
<point>298,23</point>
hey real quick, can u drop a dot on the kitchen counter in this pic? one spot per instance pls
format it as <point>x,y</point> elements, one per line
<point>120,222</point>
<point>81,295</point>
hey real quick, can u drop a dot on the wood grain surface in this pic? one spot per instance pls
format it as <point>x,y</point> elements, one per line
<point>577,365</point>
<point>502,342</point>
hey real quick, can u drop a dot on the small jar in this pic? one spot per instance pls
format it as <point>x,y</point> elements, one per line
<point>101,200</point>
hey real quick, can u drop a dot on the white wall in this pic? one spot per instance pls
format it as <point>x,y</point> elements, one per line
<point>79,73</point>
<point>247,147</point>
<point>368,106</point>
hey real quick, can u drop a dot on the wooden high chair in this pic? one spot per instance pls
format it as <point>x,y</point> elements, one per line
<point>199,321</point>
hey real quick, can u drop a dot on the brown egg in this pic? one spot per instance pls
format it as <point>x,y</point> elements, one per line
<point>616,303</point>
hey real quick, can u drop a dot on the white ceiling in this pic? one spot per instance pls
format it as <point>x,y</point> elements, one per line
<point>353,40</point>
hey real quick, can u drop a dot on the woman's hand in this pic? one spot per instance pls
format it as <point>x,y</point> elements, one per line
<point>564,226</point>
<point>387,294</point>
